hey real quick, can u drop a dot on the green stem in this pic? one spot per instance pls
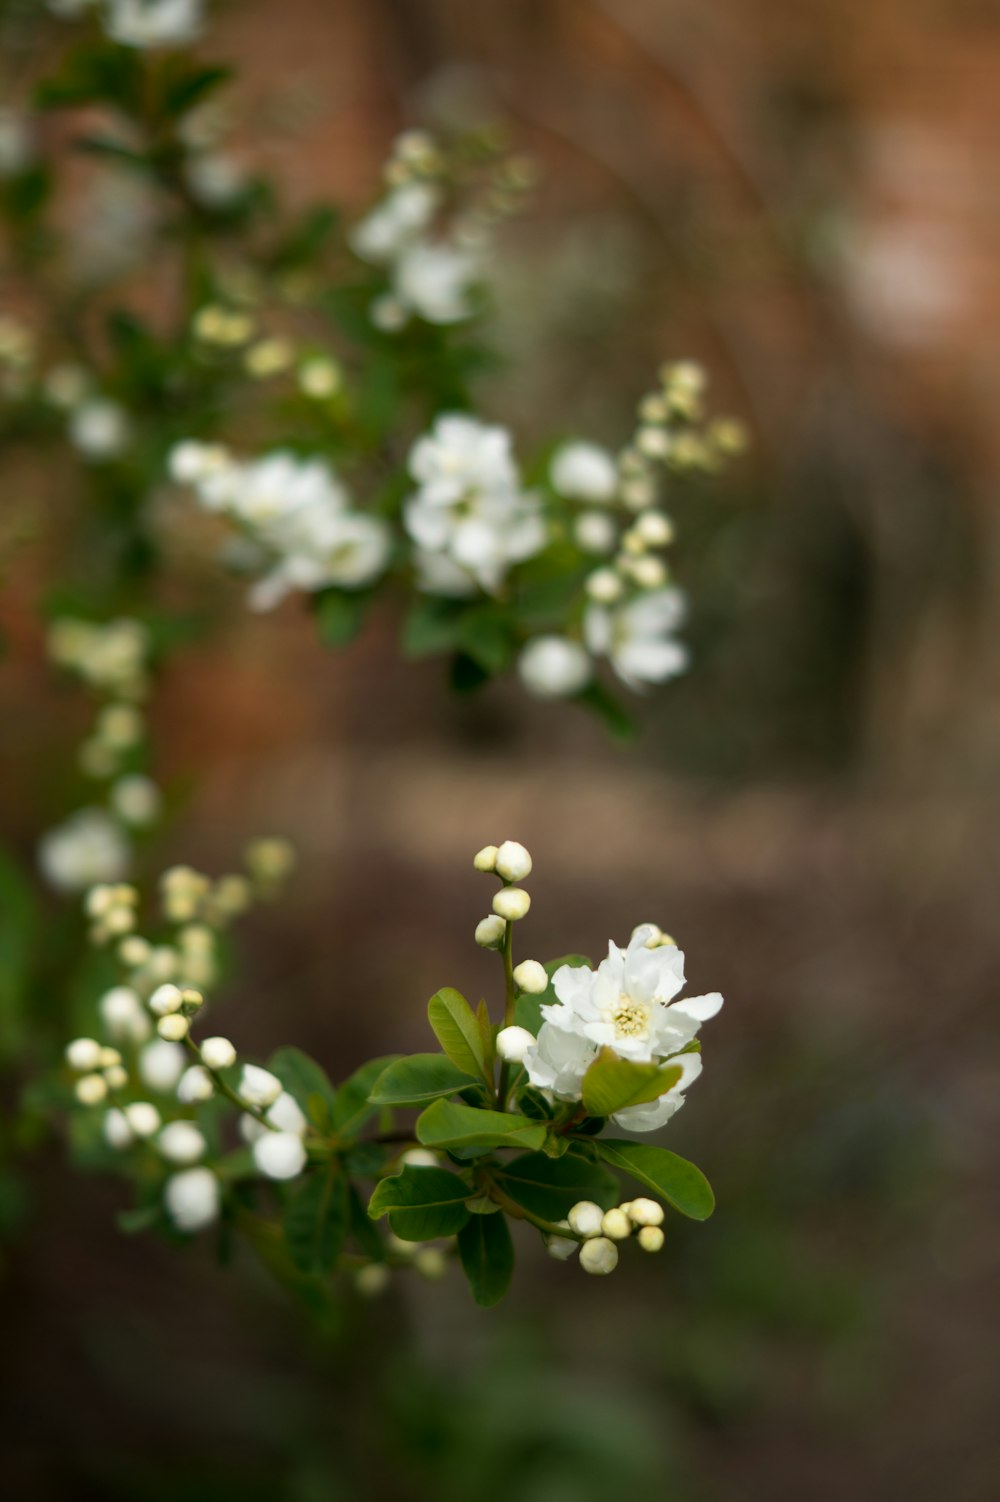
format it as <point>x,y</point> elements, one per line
<point>256,1112</point>
<point>518,1212</point>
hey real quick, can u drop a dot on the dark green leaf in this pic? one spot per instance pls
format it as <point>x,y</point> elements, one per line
<point>142,1218</point>
<point>352,1107</point>
<point>446,1124</point>
<point>487,1255</point>
<point>366,1237</point>
<point>604,704</point>
<point>417,1079</point>
<point>303,1078</point>
<point>432,626</point>
<point>190,88</point>
<point>550,1187</point>
<point>676,1180</point>
<point>612,1083</point>
<point>341,614</point>
<point>486,637</point>
<point>315,1221</point>
<point>457,1030</point>
<point>422,1203</point>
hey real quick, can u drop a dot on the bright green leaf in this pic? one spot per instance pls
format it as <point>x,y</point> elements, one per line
<point>673,1178</point>
<point>422,1203</point>
<point>447,1124</point>
<point>417,1079</point>
<point>352,1107</point>
<point>612,1083</point>
<point>457,1030</point>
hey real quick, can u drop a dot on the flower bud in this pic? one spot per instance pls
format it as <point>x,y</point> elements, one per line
<point>123,1015</point>
<point>511,903</point>
<point>648,573</point>
<point>192,1198</point>
<point>116,1130</point>
<point>650,1238</point>
<point>561,1247</point>
<point>161,1064</point>
<point>490,932</point>
<point>513,861</point>
<point>604,586</point>
<point>513,1043</point>
<point>143,1118</point>
<point>218,1053</point>
<point>530,976</point>
<point>116,1077</point>
<point>554,667</point>
<point>173,1027</point>
<point>654,528</point>
<point>599,1256</point>
<point>371,1280</point>
<point>134,951</point>
<point>108,1058</point>
<point>485,859</point>
<point>259,1086</point>
<point>595,532</point>
<point>91,1089</point>
<point>616,1225</point>
<point>431,1263</point>
<point>195,1085</point>
<point>585,1218</point>
<point>420,1157</point>
<point>182,1142</point>
<point>166,999</point>
<point>83,1054</point>
<point>644,1212</point>
<point>279,1155</point>
<point>286,1113</point>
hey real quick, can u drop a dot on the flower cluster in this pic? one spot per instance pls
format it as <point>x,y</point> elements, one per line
<point>295,511</point>
<point>144,24</point>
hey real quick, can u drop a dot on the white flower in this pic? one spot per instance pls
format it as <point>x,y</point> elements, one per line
<point>513,1044</point>
<point>136,799</point>
<point>584,472</point>
<point>461,455</point>
<point>86,849</point>
<point>152,23</point>
<point>395,222</point>
<point>637,637</point>
<point>99,428</point>
<point>435,281</point>
<point>280,1155</point>
<point>657,1113</point>
<point>161,1065</point>
<point>182,1142</point>
<point>259,1086</point>
<point>123,1015</point>
<point>192,1198</point>
<point>558,1061</point>
<point>553,667</point>
<point>480,538</point>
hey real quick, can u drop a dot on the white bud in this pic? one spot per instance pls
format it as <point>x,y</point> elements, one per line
<point>650,1238</point>
<point>605,586</point>
<point>513,1043</point>
<point>116,1077</point>
<point>530,976</point>
<point>616,1225</point>
<point>123,1015</point>
<point>431,1263</point>
<point>371,1280</point>
<point>585,1218</point>
<point>655,529</point>
<point>420,1157</point>
<point>486,859</point>
<point>91,1089</point>
<point>599,1256</point>
<point>182,1142</point>
<point>143,1118</point>
<point>108,1058</point>
<point>648,573</point>
<point>83,1054</point>
<point>259,1086</point>
<point>490,932</point>
<point>174,1027</point>
<point>643,1212</point>
<point>161,1064</point>
<point>511,903</point>
<point>595,531</point>
<point>561,1247</point>
<point>218,1053</point>
<point>554,667</point>
<point>195,1085</point>
<point>166,999</point>
<point>117,1132</point>
<point>279,1155</point>
<point>134,951</point>
<point>513,862</point>
<point>192,1198</point>
<point>286,1113</point>
<point>136,799</point>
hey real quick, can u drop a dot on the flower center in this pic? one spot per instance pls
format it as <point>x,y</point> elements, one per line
<point>630,1017</point>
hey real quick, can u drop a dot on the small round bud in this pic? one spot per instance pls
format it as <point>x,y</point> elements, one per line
<point>259,1086</point>
<point>585,1218</point>
<point>513,862</point>
<point>195,1085</point>
<point>650,1238</point>
<point>655,529</point>
<point>648,573</point>
<point>192,1198</point>
<point>485,859</point>
<point>490,932</point>
<point>643,1212</point>
<point>616,1225</point>
<point>371,1280</point>
<point>604,586</point>
<point>530,976</point>
<point>83,1054</point>
<point>279,1155</point>
<point>599,1256</point>
<point>174,1028</point>
<point>91,1089</point>
<point>108,1058</point>
<point>143,1118</point>
<point>116,1077</point>
<point>513,1043</point>
<point>218,1053</point>
<point>123,1015</point>
<point>420,1157</point>
<point>595,532</point>
<point>511,903</point>
<point>166,999</point>
<point>161,1065</point>
<point>431,1263</point>
<point>134,951</point>
<point>117,1132</point>
<point>286,1113</point>
<point>191,1000</point>
<point>182,1142</point>
<point>561,1247</point>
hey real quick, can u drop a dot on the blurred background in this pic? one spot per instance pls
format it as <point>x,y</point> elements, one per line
<point>800,197</point>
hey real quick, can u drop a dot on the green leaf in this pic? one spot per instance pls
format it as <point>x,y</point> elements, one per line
<point>457,1030</point>
<point>432,626</point>
<point>676,1180</point>
<point>303,1078</point>
<point>315,1221</point>
<point>446,1124</point>
<point>352,1107</point>
<point>528,1011</point>
<point>417,1079</point>
<point>612,1083</point>
<point>190,88</point>
<point>550,1187</point>
<point>422,1203</point>
<point>341,614</point>
<point>486,637</point>
<point>366,1237</point>
<point>142,1218</point>
<point>604,704</point>
<point>487,1255</point>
